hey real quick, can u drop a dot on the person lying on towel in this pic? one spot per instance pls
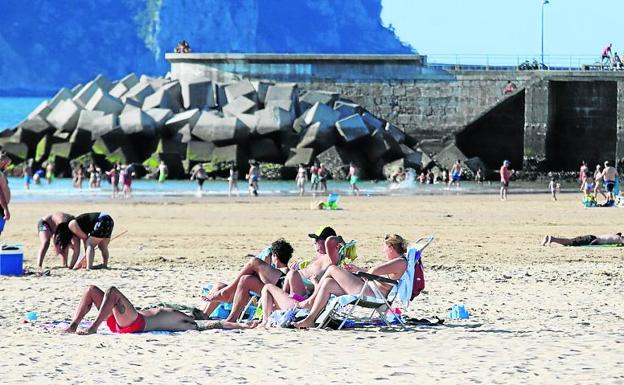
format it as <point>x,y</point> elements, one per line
<point>586,240</point>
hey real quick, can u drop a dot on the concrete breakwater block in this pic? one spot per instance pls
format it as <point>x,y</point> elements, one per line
<point>346,109</point>
<point>102,101</point>
<point>281,91</point>
<point>18,152</point>
<point>138,93</point>
<point>173,160</point>
<point>240,105</point>
<point>223,157</point>
<point>160,116</point>
<point>64,116</point>
<point>261,89</point>
<point>184,135</point>
<point>136,121</point>
<point>299,156</point>
<point>172,146</point>
<point>221,131</point>
<point>309,98</point>
<point>41,111</point>
<point>265,150</point>
<point>86,93</point>
<point>352,128</point>
<point>75,89</point>
<point>102,125</point>
<point>107,143</point>
<point>198,151</point>
<point>240,88</point>
<point>448,156</point>
<point>272,120</point>
<point>80,142</point>
<point>123,155</point>
<point>198,93</point>
<point>124,85</point>
<point>381,144</point>
<point>62,149</point>
<point>168,96</point>
<point>250,121</point>
<point>372,121</point>
<point>29,138</point>
<point>318,137</point>
<point>337,160</point>
<point>103,83</point>
<point>177,121</point>
<point>86,119</point>
<point>474,164</point>
<point>62,94</point>
<point>322,114</point>
<point>35,124</point>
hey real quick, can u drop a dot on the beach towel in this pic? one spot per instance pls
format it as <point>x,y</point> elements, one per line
<point>59,326</point>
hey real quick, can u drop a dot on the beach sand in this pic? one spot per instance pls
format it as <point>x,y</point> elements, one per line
<point>538,314</point>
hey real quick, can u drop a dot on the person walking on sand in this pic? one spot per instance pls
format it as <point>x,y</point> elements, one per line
<point>505,175</point>
<point>113,174</point>
<point>583,172</point>
<point>323,174</point>
<point>95,230</point>
<point>5,191</point>
<point>301,179</point>
<point>609,175</point>
<point>253,177</point>
<point>456,173</point>
<point>233,182</point>
<point>353,177</point>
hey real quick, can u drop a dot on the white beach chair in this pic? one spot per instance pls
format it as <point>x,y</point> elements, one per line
<point>340,310</point>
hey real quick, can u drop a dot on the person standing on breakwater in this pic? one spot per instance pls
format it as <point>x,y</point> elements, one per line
<point>606,54</point>
<point>505,175</point>
<point>232,181</point>
<point>353,177</point>
<point>5,192</point>
<point>253,176</point>
<point>301,179</point>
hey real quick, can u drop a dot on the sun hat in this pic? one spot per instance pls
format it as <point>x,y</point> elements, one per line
<point>323,232</point>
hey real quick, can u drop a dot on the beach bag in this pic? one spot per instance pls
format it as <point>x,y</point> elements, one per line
<point>419,279</point>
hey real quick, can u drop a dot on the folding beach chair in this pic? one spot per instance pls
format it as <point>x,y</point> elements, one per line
<point>339,310</point>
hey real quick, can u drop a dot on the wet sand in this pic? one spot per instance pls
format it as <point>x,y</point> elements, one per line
<point>538,314</point>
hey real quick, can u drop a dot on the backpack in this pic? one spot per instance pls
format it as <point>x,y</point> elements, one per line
<point>419,279</point>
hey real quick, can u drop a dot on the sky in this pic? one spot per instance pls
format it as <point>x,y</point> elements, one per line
<point>452,29</point>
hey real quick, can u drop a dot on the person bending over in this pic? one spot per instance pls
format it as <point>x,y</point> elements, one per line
<point>47,229</point>
<point>338,282</point>
<point>95,230</point>
<point>585,240</point>
<point>255,274</point>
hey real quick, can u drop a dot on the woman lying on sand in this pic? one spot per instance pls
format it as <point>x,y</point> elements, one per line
<point>586,240</point>
<point>122,317</point>
<point>337,281</point>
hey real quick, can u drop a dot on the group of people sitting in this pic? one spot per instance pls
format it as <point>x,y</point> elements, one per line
<point>592,184</point>
<point>281,284</point>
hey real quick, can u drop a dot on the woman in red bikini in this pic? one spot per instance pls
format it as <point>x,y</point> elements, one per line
<point>121,316</point>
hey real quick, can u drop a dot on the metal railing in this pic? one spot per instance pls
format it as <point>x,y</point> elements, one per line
<point>514,62</point>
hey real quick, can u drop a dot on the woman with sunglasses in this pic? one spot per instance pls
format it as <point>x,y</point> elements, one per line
<point>338,282</point>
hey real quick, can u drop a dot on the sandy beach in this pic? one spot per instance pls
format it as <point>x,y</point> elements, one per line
<point>538,314</point>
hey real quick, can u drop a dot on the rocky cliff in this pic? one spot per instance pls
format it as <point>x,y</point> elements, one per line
<point>49,44</point>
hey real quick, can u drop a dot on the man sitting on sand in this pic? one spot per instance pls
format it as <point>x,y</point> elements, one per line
<point>255,274</point>
<point>122,317</point>
<point>585,240</point>
<point>95,229</point>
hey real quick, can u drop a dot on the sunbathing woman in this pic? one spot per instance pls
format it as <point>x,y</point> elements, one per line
<point>276,298</point>
<point>255,274</point>
<point>122,317</point>
<point>47,229</point>
<point>337,281</point>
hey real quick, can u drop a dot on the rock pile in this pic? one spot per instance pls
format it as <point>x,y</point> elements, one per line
<point>145,120</point>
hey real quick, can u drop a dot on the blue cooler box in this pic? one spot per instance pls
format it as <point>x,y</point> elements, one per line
<point>11,260</point>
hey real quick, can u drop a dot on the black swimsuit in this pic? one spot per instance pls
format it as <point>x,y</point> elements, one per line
<point>281,280</point>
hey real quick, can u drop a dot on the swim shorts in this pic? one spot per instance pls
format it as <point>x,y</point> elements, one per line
<point>610,185</point>
<point>103,228</point>
<point>42,225</point>
<point>354,179</point>
<point>504,184</point>
<point>455,177</point>
<point>583,240</point>
<point>137,326</point>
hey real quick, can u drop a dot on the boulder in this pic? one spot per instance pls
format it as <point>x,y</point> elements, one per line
<point>62,94</point>
<point>352,128</point>
<point>447,157</point>
<point>240,105</point>
<point>136,121</point>
<point>64,116</point>
<point>198,93</point>
<point>265,150</point>
<point>199,151</point>
<point>240,88</point>
<point>299,156</point>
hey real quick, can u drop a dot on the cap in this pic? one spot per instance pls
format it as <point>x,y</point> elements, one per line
<point>507,162</point>
<point>323,232</point>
